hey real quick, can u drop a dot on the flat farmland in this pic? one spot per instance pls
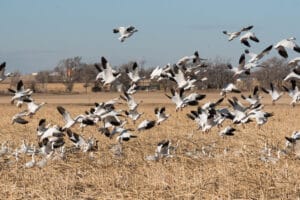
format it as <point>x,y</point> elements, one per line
<point>204,165</point>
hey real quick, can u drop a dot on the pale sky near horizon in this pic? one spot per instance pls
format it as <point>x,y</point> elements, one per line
<point>36,34</point>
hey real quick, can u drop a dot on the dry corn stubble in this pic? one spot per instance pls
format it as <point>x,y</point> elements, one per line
<point>204,166</point>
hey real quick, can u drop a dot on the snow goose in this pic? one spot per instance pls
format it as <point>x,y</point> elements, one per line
<point>253,99</point>
<point>230,87</point>
<point>132,105</point>
<point>294,62</point>
<point>163,149</point>
<point>177,75</point>
<point>256,57</point>
<point>293,92</point>
<point>240,69</point>
<point>260,116</point>
<point>132,89</point>
<point>146,124</point>
<point>18,118</point>
<point>158,72</point>
<point>293,139</point>
<point>228,131</point>
<point>295,73</point>
<point>177,98</point>
<point>287,43</point>
<point>31,163</point>
<point>134,73</point>
<point>32,106</point>
<point>160,115</point>
<point>133,114</point>
<point>233,35</point>
<point>20,93</point>
<point>106,74</point>
<point>193,98</point>
<point>3,76</point>
<point>125,32</point>
<point>195,59</point>
<point>239,110</point>
<point>275,95</point>
<point>69,121</point>
<point>76,139</point>
<point>249,35</point>
<point>125,135</point>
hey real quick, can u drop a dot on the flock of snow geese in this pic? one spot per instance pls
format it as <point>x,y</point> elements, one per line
<point>110,122</point>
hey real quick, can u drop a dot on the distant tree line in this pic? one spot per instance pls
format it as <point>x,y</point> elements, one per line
<point>73,70</point>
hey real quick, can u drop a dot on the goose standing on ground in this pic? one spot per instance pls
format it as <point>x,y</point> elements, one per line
<point>125,32</point>
<point>275,95</point>
<point>233,35</point>
<point>106,74</point>
<point>31,163</point>
<point>249,35</point>
<point>256,57</point>
<point>160,115</point>
<point>3,76</point>
<point>287,43</point>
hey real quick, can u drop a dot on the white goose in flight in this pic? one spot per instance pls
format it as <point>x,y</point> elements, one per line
<point>240,69</point>
<point>249,35</point>
<point>275,95</point>
<point>287,43</point>
<point>20,93</point>
<point>106,74</point>
<point>256,57</point>
<point>233,35</point>
<point>230,87</point>
<point>125,32</point>
<point>293,92</point>
<point>3,76</point>
<point>134,73</point>
<point>146,124</point>
<point>294,62</point>
<point>69,121</point>
<point>18,118</point>
<point>160,115</point>
<point>32,106</point>
<point>195,59</point>
<point>132,104</point>
<point>133,114</point>
<point>228,131</point>
<point>295,73</point>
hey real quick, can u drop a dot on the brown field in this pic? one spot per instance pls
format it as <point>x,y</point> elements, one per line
<point>238,174</point>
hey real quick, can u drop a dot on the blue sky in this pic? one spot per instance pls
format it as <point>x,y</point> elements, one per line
<point>36,34</point>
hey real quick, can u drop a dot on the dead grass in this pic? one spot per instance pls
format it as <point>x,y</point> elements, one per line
<point>238,174</point>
